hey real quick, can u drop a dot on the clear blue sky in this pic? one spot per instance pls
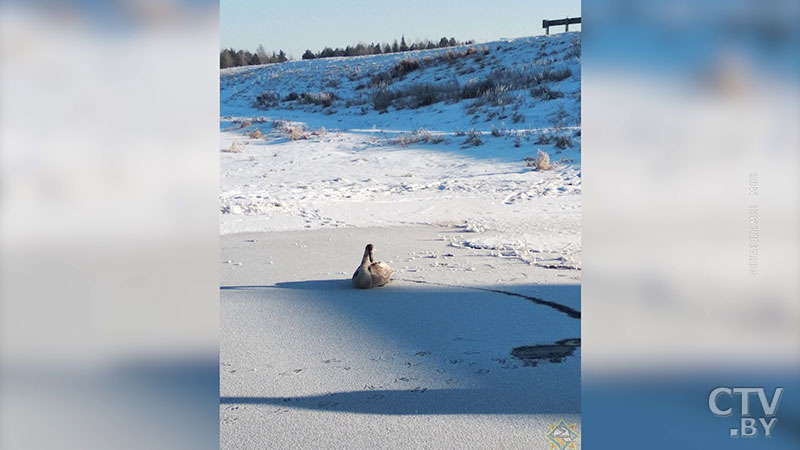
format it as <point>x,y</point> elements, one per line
<point>297,25</point>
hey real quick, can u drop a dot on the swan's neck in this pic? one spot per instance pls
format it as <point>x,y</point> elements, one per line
<point>367,259</point>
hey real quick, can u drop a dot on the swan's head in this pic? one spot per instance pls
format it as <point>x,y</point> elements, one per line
<point>370,248</point>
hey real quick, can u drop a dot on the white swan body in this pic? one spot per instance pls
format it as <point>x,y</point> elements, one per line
<point>371,274</point>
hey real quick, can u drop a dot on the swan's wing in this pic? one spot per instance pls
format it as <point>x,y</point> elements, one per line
<point>381,273</point>
<point>360,280</point>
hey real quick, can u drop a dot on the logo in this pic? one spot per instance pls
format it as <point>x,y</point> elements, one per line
<point>749,426</point>
<point>562,436</point>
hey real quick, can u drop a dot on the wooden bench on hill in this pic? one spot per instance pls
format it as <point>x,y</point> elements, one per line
<point>546,24</point>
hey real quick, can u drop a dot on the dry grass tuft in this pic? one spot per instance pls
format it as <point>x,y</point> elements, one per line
<point>235,147</point>
<point>420,136</point>
<point>541,162</point>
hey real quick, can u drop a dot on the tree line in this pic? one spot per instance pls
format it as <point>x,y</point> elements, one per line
<point>235,58</point>
<point>361,49</point>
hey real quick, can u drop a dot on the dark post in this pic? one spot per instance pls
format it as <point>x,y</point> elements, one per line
<point>546,26</point>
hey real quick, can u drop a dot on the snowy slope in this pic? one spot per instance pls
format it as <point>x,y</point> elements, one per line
<point>349,79</point>
<point>369,167</point>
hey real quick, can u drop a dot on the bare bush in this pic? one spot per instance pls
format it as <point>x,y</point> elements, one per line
<point>574,50</point>
<point>405,66</point>
<point>408,65</point>
<point>382,99</point>
<point>543,138</point>
<point>266,100</point>
<point>560,118</point>
<point>563,142</point>
<point>473,139</point>
<point>545,93</point>
<point>255,134</point>
<point>400,70</point>
<point>554,74</point>
<point>419,136</point>
<point>413,96</point>
<point>513,79</point>
<point>324,98</point>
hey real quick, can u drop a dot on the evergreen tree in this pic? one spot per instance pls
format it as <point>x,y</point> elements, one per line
<point>240,59</point>
<point>282,56</point>
<point>308,55</point>
<point>225,59</point>
<point>403,45</point>
<point>262,54</point>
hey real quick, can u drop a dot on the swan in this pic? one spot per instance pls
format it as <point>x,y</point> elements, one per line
<point>370,273</point>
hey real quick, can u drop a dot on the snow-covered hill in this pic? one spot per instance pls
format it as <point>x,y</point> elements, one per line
<point>519,84</point>
<point>435,137</point>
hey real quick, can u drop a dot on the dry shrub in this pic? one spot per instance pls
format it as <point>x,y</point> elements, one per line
<point>542,161</point>
<point>420,136</point>
<point>296,133</point>
<point>543,138</point>
<point>235,147</point>
<point>323,99</point>
<point>473,139</point>
<point>293,132</point>
<point>546,93</point>
<point>564,142</point>
<point>255,134</point>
